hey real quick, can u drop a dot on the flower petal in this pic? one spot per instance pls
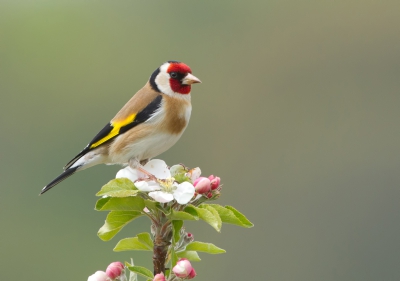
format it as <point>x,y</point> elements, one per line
<point>183,268</point>
<point>159,277</point>
<point>161,197</point>
<point>184,192</point>
<point>202,185</point>
<point>115,270</point>
<point>98,276</point>
<point>129,173</point>
<point>194,174</point>
<point>147,186</point>
<point>158,168</point>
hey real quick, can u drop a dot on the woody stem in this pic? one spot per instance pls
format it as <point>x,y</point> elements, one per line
<point>162,240</point>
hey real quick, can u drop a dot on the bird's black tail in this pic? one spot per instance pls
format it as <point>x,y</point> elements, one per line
<point>60,178</point>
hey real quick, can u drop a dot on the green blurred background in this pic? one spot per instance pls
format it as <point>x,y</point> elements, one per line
<point>298,113</point>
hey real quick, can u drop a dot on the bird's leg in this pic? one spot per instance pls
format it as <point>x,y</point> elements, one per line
<point>135,164</point>
<point>151,176</point>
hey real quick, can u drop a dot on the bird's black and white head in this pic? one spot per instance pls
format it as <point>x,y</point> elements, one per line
<point>173,78</point>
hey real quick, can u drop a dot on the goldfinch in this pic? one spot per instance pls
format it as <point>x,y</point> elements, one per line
<point>147,125</point>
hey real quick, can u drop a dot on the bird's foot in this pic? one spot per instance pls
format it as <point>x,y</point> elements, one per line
<point>138,165</point>
<point>150,175</point>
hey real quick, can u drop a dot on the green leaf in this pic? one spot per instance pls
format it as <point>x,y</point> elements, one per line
<point>120,204</point>
<point>145,238</point>
<point>190,209</point>
<point>240,216</point>
<point>215,214</point>
<point>209,218</point>
<point>167,273</point>
<point>177,225</point>
<point>229,216</point>
<point>142,271</point>
<point>121,187</point>
<point>131,244</point>
<point>115,221</point>
<point>151,205</point>
<point>181,215</point>
<point>174,257</point>
<point>154,206</point>
<point>190,255</point>
<point>204,247</point>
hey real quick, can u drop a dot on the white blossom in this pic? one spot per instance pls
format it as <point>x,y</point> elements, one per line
<point>165,189</point>
<point>98,276</point>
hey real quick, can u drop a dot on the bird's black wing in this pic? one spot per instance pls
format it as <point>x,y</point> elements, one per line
<point>114,129</point>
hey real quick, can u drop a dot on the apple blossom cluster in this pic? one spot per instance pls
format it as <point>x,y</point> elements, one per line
<point>116,272</point>
<point>167,196</point>
<point>164,188</point>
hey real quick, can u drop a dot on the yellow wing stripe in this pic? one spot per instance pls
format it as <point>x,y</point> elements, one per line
<point>115,131</point>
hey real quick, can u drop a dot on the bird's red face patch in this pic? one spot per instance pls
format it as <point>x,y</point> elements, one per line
<point>178,71</point>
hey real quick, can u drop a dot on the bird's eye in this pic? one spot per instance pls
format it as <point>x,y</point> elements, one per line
<point>173,75</point>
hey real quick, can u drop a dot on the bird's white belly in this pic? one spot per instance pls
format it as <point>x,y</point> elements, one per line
<point>146,148</point>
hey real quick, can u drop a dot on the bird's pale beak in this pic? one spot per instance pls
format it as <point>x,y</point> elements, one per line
<point>190,79</point>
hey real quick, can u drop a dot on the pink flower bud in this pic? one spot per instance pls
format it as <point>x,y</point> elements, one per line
<point>159,277</point>
<point>98,276</point>
<point>183,268</point>
<point>192,274</point>
<point>202,185</point>
<point>209,195</point>
<point>215,181</point>
<point>115,269</point>
<point>188,238</point>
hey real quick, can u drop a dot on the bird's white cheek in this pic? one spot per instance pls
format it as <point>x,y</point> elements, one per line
<point>162,81</point>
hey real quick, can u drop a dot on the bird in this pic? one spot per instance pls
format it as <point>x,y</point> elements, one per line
<point>150,123</point>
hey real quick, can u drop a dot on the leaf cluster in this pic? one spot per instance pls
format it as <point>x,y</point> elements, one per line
<point>126,203</point>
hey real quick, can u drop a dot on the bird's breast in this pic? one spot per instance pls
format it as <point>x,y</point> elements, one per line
<point>141,144</point>
<point>176,113</point>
